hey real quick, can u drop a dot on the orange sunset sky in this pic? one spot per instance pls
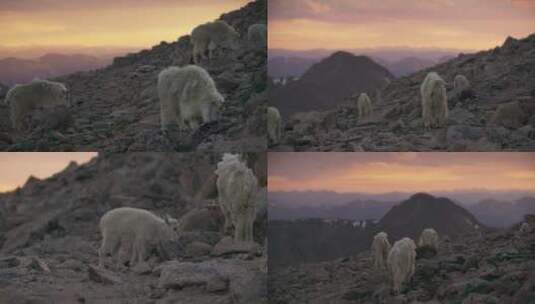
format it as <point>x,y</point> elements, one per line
<point>351,24</point>
<point>406,172</point>
<point>16,167</point>
<point>111,23</point>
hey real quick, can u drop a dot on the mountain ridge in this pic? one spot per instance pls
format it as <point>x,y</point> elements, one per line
<point>328,82</point>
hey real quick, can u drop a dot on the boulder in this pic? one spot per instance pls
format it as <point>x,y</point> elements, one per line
<point>178,275</point>
<point>509,115</point>
<point>204,219</point>
<point>198,249</point>
<point>229,246</point>
<point>103,276</point>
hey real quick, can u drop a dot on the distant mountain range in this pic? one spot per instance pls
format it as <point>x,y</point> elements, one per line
<point>399,61</point>
<point>313,240</point>
<point>15,70</point>
<point>328,82</point>
<point>502,213</point>
<point>504,209</point>
<point>409,65</point>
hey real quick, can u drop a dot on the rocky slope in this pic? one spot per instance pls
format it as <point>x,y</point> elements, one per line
<point>328,82</point>
<point>495,267</point>
<point>504,75</point>
<point>117,109</point>
<point>49,234</point>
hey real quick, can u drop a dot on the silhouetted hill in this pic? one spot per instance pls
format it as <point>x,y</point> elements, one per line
<point>328,82</point>
<point>422,211</point>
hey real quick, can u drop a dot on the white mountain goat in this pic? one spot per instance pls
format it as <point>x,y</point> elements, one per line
<point>401,263</point>
<point>136,232</point>
<point>429,238</point>
<point>364,106</point>
<point>434,101</point>
<point>525,228</point>
<point>210,36</point>
<point>380,249</point>
<point>257,35</point>
<point>274,125</point>
<point>237,190</point>
<point>461,83</point>
<point>188,97</point>
<point>24,98</point>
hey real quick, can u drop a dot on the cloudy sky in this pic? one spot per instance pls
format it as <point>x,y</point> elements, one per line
<point>119,23</point>
<point>445,24</point>
<point>16,167</point>
<point>406,172</point>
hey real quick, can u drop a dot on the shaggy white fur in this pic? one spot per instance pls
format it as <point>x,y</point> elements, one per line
<point>461,83</point>
<point>380,249</point>
<point>429,237</point>
<point>237,191</point>
<point>257,35</point>
<point>364,105</point>
<point>525,228</point>
<point>210,36</point>
<point>24,98</point>
<point>401,263</point>
<point>434,101</point>
<point>136,232</point>
<point>188,97</point>
<point>274,125</point>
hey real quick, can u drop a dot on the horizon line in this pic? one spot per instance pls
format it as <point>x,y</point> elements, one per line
<point>404,192</point>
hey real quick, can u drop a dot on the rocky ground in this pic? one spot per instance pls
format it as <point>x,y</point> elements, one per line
<point>495,267</point>
<point>117,108</point>
<point>502,76</point>
<point>49,235</point>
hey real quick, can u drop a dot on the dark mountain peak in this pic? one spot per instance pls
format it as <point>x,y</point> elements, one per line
<point>510,41</point>
<point>329,82</point>
<point>343,55</point>
<point>422,211</point>
<point>421,196</point>
<point>32,179</point>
